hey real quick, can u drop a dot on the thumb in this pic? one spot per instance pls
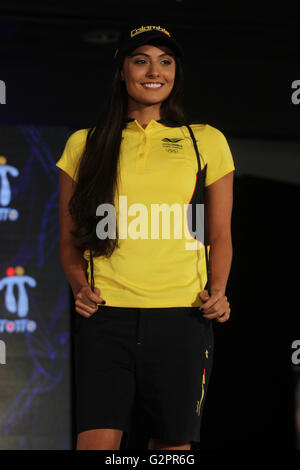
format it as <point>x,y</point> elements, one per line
<point>97,294</point>
<point>204,295</point>
<point>97,291</point>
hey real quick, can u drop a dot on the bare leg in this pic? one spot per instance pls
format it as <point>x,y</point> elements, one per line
<point>99,439</point>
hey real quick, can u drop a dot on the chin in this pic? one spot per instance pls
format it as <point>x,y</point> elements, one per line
<point>151,103</point>
<point>159,99</point>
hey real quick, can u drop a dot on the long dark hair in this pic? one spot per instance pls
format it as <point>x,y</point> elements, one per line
<point>98,165</point>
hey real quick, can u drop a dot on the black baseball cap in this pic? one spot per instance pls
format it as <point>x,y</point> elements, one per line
<point>135,37</point>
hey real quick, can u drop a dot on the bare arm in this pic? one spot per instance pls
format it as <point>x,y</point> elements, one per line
<point>219,201</point>
<point>72,261</point>
<point>218,198</point>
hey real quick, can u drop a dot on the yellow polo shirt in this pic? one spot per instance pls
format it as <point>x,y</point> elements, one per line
<point>156,264</point>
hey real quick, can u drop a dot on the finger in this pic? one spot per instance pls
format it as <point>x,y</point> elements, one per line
<point>216,312</point>
<point>212,316</point>
<point>211,301</point>
<point>224,317</point>
<point>222,320</point>
<point>87,302</point>
<point>221,304</point>
<point>204,295</point>
<point>94,302</point>
<point>92,296</point>
<point>83,306</point>
<point>82,312</point>
<point>213,304</point>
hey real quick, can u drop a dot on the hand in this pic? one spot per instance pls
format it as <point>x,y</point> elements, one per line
<point>87,301</point>
<point>216,306</point>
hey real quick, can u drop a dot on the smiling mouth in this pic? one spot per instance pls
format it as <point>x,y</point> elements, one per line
<point>156,86</point>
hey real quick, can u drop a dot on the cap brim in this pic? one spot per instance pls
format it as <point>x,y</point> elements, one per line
<point>159,39</point>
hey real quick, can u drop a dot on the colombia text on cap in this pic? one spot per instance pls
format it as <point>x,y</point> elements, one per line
<point>136,37</point>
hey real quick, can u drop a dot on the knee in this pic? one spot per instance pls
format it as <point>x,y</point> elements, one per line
<point>99,439</point>
<point>168,445</point>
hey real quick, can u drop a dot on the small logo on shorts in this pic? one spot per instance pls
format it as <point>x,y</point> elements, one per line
<point>206,354</point>
<point>202,395</point>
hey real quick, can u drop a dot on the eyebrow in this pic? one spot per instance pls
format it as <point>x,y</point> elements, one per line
<point>143,53</point>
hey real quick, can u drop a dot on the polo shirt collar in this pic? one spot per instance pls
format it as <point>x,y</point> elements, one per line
<point>166,122</point>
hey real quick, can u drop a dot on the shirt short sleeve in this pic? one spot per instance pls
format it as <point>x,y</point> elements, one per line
<point>217,155</point>
<point>74,148</point>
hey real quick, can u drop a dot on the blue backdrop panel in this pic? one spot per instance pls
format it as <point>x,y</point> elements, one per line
<point>35,385</point>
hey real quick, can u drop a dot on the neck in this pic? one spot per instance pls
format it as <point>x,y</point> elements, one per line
<point>144,114</point>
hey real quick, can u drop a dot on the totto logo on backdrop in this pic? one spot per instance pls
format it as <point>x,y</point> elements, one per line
<point>14,285</point>
<point>6,213</point>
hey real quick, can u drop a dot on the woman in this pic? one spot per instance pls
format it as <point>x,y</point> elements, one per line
<point>141,337</point>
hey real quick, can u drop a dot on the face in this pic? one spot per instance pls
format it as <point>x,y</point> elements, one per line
<point>149,64</point>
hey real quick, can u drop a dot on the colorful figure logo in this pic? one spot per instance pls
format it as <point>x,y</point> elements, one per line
<point>6,213</point>
<point>15,278</point>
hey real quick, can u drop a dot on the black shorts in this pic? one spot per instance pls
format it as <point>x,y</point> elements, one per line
<point>160,357</point>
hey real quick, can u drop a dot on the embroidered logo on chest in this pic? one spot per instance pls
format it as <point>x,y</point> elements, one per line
<point>171,145</point>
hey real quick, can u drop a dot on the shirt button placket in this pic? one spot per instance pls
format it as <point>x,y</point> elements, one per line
<point>140,164</point>
<point>143,143</point>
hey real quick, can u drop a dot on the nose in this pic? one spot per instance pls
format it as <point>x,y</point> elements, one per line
<point>153,70</point>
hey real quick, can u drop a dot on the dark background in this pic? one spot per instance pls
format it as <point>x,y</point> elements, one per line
<point>56,61</point>
<point>239,62</point>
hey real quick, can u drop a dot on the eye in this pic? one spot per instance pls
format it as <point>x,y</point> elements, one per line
<point>143,60</point>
